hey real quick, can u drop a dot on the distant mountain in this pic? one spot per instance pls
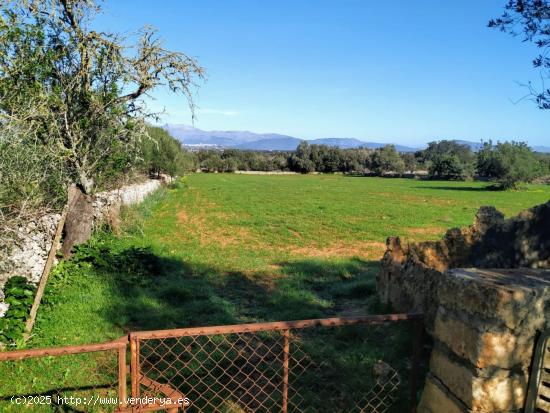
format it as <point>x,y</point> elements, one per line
<point>189,135</point>
<point>476,146</point>
<point>271,144</point>
<point>247,140</point>
<point>398,148</point>
<point>343,143</point>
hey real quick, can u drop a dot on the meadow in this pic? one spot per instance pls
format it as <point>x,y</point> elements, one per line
<point>216,249</point>
<point>225,248</point>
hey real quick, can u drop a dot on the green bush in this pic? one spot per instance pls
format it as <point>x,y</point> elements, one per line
<point>387,159</point>
<point>447,166</point>
<point>19,295</point>
<point>509,163</point>
<point>449,160</point>
<point>163,154</point>
<point>32,179</point>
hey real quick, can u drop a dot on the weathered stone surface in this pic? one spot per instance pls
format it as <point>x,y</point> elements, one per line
<point>29,255</point>
<point>35,239</point>
<point>516,297</point>
<point>435,399</point>
<point>481,346</point>
<point>484,320</point>
<point>487,390</point>
<point>408,284</point>
<point>508,295</point>
<point>491,242</point>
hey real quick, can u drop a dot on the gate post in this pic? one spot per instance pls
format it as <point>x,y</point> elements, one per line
<point>134,365</point>
<point>286,350</point>
<point>122,394</point>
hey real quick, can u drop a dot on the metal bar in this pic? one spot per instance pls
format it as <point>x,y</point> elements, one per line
<point>122,377</point>
<point>152,408</point>
<point>278,325</point>
<point>537,366</point>
<point>286,351</point>
<point>415,367</point>
<point>60,351</point>
<point>134,367</point>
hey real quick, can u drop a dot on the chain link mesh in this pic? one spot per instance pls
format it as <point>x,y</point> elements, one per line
<point>303,366</point>
<point>83,382</point>
<point>265,371</point>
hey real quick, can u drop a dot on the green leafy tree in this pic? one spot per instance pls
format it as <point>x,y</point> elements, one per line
<point>300,160</point>
<point>449,160</point>
<point>163,154</point>
<point>387,159</point>
<point>509,163</point>
<point>446,166</point>
<point>530,19</point>
<point>79,92</point>
<point>410,162</point>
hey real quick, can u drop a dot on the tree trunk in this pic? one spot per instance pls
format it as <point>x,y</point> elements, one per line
<point>86,182</point>
<point>78,225</point>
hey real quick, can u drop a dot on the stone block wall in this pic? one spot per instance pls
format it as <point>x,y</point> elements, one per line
<point>484,334</point>
<point>29,255</point>
<point>484,292</point>
<point>411,273</point>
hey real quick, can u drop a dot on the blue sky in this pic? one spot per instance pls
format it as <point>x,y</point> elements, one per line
<point>389,71</point>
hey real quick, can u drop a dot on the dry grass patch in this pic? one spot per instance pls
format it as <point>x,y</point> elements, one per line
<point>371,250</point>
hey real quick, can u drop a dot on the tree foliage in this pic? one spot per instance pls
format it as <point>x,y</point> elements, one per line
<point>163,154</point>
<point>509,163</point>
<point>387,159</point>
<point>530,19</point>
<point>449,160</point>
<point>79,92</point>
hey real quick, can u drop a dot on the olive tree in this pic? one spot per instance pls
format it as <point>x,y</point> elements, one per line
<point>530,19</point>
<point>508,163</point>
<point>78,92</point>
<point>387,159</point>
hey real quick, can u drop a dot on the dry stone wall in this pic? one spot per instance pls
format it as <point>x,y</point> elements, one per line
<point>411,274</point>
<point>29,256</point>
<point>485,292</point>
<point>484,333</point>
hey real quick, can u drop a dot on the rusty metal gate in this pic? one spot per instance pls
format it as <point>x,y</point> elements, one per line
<point>295,366</point>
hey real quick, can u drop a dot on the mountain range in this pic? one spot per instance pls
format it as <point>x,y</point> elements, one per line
<point>246,140</point>
<point>193,137</point>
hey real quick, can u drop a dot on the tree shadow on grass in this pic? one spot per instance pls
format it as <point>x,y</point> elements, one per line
<point>333,365</point>
<point>460,188</point>
<point>161,292</point>
<point>154,292</point>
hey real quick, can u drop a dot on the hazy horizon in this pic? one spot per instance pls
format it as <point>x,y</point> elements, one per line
<point>398,72</point>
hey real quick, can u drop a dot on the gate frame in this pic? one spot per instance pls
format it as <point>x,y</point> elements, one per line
<point>133,339</point>
<point>285,327</point>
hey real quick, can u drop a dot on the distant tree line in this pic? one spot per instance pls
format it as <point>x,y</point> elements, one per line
<point>508,164</point>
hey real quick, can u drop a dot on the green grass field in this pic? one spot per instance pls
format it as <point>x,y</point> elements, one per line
<point>234,248</point>
<point>223,248</point>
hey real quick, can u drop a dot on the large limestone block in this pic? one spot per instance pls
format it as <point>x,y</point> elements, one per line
<point>514,298</point>
<point>436,399</point>
<point>483,347</point>
<point>481,390</point>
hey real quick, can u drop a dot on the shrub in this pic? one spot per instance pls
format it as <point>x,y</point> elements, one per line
<point>449,160</point>
<point>20,296</point>
<point>163,154</point>
<point>387,159</point>
<point>447,166</point>
<point>509,163</point>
